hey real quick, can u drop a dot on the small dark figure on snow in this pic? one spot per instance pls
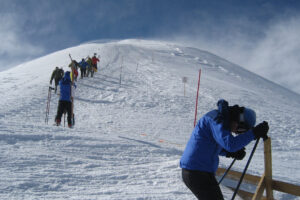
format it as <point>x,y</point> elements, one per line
<point>65,99</point>
<point>94,62</point>
<point>75,65</point>
<point>57,75</point>
<point>90,67</point>
<point>83,66</point>
<point>212,137</point>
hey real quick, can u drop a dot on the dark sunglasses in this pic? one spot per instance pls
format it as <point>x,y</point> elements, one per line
<point>242,126</point>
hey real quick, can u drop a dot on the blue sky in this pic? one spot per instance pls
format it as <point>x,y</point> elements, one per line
<point>260,35</point>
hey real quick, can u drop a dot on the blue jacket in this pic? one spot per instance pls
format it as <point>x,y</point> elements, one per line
<point>65,88</point>
<point>83,64</point>
<point>210,138</point>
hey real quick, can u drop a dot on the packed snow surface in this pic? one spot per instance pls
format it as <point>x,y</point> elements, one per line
<point>133,120</point>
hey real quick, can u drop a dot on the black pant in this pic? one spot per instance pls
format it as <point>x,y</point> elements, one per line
<point>83,72</point>
<point>203,184</point>
<point>90,70</point>
<point>64,106</point>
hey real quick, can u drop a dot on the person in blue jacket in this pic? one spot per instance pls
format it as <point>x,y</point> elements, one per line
<point>211,137</point>
<point>83,65</point>
<point>65,99</point>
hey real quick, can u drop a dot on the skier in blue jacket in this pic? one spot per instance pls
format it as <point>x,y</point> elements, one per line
<point>83,65</point>
<point>65,99</point>
<point>212,137</point>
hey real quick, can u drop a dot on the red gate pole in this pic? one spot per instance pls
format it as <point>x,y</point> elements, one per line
<point>197,98</point>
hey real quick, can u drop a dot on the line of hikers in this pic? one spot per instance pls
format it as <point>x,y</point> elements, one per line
<point>64,80</point>
<point>87,67</point>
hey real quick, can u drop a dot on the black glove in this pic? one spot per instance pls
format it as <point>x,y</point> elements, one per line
<point>261,130</point>
<point>239,155</point>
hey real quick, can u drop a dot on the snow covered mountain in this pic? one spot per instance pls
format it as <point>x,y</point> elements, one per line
<point>132,122</point>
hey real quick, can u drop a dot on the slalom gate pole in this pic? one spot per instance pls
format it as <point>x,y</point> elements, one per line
<point>244,172</point>
<point>197,98</point>
<point>226,172</point>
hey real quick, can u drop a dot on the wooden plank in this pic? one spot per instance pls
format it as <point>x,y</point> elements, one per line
<point>276,185</point>
<point>260,189</point>
<point>268,168</point>
<point>245,195</point>
<point>286,187</point>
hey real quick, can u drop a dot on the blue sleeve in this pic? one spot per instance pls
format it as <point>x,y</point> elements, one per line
<point>227,141</point>
<point>223,153</point>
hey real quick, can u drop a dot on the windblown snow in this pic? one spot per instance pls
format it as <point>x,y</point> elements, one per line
<point>133,121</point>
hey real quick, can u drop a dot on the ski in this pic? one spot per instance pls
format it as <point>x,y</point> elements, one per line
<point>48,104</point>
<point>72,79</point>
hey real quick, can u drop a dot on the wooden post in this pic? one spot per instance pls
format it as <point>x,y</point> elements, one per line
<point>266,179</point>
<point>268,168</point>
<point>196,108</point>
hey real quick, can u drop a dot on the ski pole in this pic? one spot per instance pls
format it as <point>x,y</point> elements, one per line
<point>246,167</point>
<point>226,172</point>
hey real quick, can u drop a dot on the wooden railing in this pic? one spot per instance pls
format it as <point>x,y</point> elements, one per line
<point>265,182</point>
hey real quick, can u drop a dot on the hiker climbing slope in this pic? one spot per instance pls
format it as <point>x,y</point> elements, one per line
<point>83,66</point>
<point>95,60</point>
<point>57,75</point>
<point>75,65</point>
<point>65,100</point>
<point>90,69</point>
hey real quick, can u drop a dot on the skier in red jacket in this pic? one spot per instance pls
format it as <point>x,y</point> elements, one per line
<point>94,62</point>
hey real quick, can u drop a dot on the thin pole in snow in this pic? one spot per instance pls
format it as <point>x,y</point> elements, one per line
<point>197,98</point>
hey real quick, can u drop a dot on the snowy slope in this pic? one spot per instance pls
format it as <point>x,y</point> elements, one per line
<point>129,137</point>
